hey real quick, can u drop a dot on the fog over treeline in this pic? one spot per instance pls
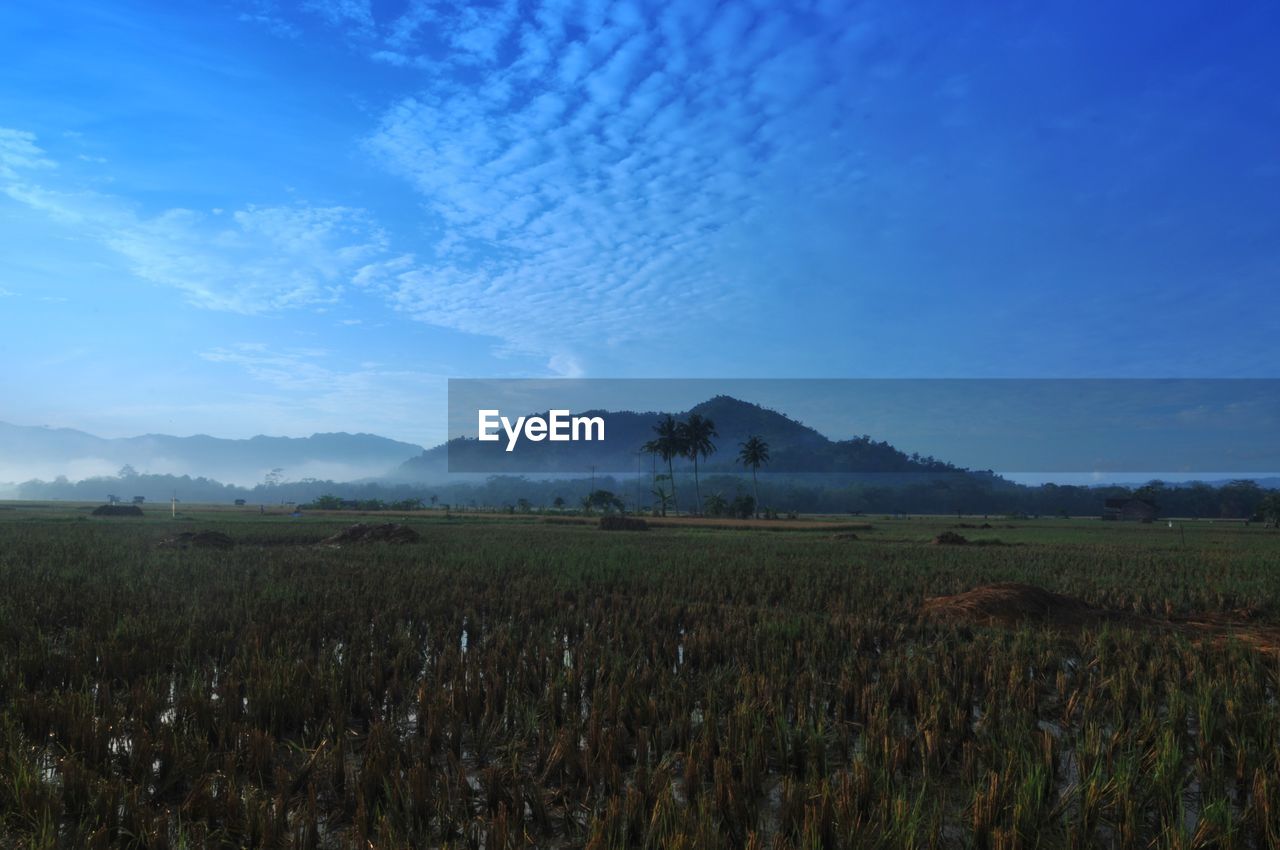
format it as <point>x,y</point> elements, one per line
<point>970,494</point>
<point>45,453</point>
<point>805,472</point>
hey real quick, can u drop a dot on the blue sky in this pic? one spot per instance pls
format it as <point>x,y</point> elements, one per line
<point>260,217</point>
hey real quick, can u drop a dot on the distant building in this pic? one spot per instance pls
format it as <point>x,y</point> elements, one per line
<point>239,503</point>
<point>138,500</point>
<point>1129,508</point>
<point>113,500</point>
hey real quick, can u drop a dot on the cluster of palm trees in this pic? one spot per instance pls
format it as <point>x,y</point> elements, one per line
<point>692,439</point>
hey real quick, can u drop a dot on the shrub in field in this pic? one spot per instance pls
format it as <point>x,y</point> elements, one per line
<point>742,507</point>
<point>387,532</point>
<point>623,523</point>
<point>199,540</point>
<point>117,510</point>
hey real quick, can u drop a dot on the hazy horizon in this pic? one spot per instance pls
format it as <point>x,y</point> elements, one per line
<point>1029,431</point>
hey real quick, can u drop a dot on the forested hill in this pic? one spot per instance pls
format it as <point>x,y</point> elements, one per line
<point>793,447</point>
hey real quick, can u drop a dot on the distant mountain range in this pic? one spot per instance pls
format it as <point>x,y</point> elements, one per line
<point>33,452</point>
<point>793,447</point>
<point>46,453</point>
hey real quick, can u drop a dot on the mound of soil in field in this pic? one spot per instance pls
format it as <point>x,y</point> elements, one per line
<point>623,523</point>
<point>198,540</point>
<point>950,538</point>
<point>387,532</point>
<point>117,510</point>
<point>1011,603</point>
<point>844,535</point>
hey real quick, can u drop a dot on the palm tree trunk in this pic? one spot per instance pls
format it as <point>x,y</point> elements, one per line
<point>653,456</point>
<point>697,488</point>
<point>675,501</point>
<point>756,486</point>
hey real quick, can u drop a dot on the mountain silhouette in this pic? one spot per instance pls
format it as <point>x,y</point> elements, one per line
<point>33,452</point>
<point>793,446</point>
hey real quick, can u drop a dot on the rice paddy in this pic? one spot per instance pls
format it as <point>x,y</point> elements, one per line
<point>502,683</point>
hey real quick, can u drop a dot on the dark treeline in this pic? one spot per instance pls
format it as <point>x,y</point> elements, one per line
<point>912,493</point>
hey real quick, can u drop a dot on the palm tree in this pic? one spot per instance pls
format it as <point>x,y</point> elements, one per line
<point>654,449</point>
<point>669,444</point>
<point>697,434</point>
<point>753,453</point>
<point>651,448</point>
<point>663,497</point>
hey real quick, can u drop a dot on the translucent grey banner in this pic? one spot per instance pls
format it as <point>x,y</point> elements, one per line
<point>868,426</point>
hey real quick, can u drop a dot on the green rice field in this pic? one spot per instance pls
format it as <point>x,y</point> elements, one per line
<point>519,682</point>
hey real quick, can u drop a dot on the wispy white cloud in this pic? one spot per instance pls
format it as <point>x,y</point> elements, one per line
<point>357,14</point>
<point>321,386</point>
<point>285,369</point>
<point>253,260</point>
<point>267,14</point>
<point>587,180</point>
<point>590,164</point>
<point>19,151</point>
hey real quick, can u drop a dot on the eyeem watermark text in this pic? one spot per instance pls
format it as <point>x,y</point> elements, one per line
<point>558,426</point>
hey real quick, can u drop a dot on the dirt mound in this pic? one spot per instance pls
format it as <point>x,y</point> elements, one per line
<point>387,532</point>
<point>1011,603</point>
<point>950,538</point>
<point>845,535</point>
<point>198,540</point>
<point>623,523</point>
<point>117,510</point>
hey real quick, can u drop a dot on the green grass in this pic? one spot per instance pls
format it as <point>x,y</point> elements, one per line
<point>691,687</point>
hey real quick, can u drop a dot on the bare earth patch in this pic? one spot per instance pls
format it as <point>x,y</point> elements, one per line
<point>1011,604</point>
